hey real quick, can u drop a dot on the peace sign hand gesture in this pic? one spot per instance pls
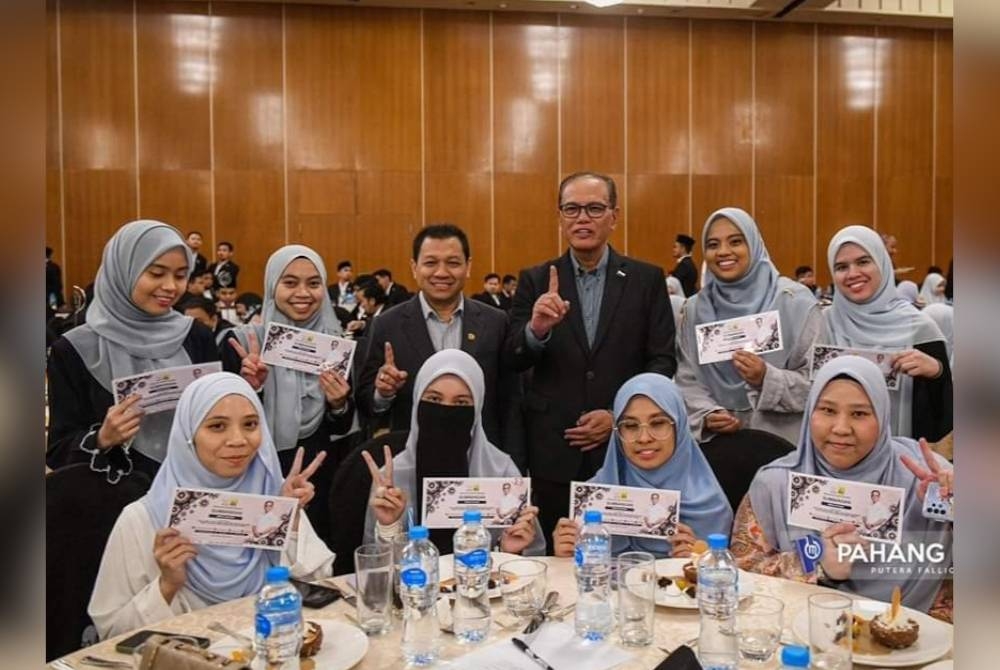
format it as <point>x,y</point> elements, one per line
<point>252,369</point>
<point>387,501</point>
<point>297,484</point>
<point>945,476</point>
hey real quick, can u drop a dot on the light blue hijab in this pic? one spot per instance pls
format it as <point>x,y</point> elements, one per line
<point>704,505</point>
<point>216,574</point>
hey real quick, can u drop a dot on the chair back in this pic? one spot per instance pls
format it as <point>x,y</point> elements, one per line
<point>736,457</point>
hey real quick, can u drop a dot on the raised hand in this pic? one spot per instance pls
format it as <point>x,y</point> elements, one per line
<point>121,423</point>
<point>550,309</point>
<point>517,538</point>
<point>297,484</point>
<point>935,472</point>
<point>834,536</point>
<point>591,431</point>
<point>172,551</point>
<point>389,379</point>
<point>252,368</point>
<point>387,501</point>
<point>335,388</point>
<point>564,537</point>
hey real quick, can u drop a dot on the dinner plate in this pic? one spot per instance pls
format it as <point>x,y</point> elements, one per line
<point>343,645</point>
<point>446,569</point>
<point>941,665</point>
<point>934,641</point>
<point>671,597</point>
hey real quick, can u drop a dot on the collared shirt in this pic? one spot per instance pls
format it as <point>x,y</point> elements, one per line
<point>590,289</point>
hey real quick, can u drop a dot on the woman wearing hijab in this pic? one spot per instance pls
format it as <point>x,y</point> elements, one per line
<point>767,391</point>
<point>943,315</point>
<point>677,299</point>
<point>131,328</point>
<point>847,436</point>
<point>446,439</point>
<point>300,408</point>
<point>218,441</point>
<point>933,288</point>
<point>652,447</point>
<point>868,313</point>
<point>909,292</point>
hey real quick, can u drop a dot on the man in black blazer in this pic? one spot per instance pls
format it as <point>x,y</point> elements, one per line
<point>437,317</point>
<point>224,272</point>
<point>685,271</point>
<point>491,291</point>
<point>585,323</point>
<point>394,293</point>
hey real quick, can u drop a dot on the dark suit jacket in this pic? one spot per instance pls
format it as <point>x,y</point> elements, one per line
<point>483,334</point>
<point>487,299</point>
<point>687,275</point>
<point>505,302</point>
<point>397,294</point>
<point>232,268</point>
<point>635,333</point>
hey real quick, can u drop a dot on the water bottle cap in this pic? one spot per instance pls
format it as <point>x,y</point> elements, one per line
<point>419,533</point>
<point>592,516</point>
<point>472,516</point>
<point>718,541</point>
<point>795,657</point>
<point>278,573</point>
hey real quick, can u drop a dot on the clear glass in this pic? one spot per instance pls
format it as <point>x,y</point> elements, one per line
<point>522,585</point>
<point>636,586</point>
<point>373,568</point>
<point>758,626</point>
<point>830,619</point>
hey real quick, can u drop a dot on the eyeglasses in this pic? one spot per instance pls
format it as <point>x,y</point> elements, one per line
<point>572,210</point>
<point>658,429</point>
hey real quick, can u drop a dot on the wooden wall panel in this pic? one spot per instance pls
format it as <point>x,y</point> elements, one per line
<point>98,202</point>
<point>525,139</point>
<point>943,223</point>
<point>905,126</point>
<point>53,187</point>
<point>182,198</point>
<point>388,217</point>
<point>721,128</point>
<point>657,71</point>
<point>248,127</point>
<point>844,134</point>
<point>783,140</point>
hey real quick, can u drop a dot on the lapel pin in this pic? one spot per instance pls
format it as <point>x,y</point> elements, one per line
<point>620,273</point>
<point>471,337</point>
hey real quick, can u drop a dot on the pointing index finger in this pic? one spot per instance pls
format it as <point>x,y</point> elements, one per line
<point>390,359</point>
<point>388,463</point>
<point>553,279</point>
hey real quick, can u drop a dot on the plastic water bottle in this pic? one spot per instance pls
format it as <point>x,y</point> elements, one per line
<point>794,656</point>
<point>278,623</point>
<point>718,647</point>
<point>418,588</point>
<point>472,578</point>
<point>593,579</point>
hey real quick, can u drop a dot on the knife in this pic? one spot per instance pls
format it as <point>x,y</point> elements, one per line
<point>536,621</point>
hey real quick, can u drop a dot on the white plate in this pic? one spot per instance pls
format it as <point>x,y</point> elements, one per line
<point>941,665</point>
<point>934,641</point>
<point>674,567</point>
<point>446,569</point>
<point>343,645</point>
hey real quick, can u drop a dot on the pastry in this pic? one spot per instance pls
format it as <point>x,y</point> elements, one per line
<point>312,639</point>
<point>892,628</point>
<point>691,573</point>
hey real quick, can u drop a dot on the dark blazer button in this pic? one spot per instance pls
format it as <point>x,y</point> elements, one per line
<point>590,375</point>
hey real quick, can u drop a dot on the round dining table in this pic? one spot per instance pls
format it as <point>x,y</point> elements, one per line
<point>672,627</point>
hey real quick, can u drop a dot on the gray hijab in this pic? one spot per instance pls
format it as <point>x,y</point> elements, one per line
<point>120,339</point>
<point>294,403</point>
<point>883,466</point>
<point>761,289</point>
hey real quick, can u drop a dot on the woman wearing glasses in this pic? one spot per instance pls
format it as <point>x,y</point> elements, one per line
<point>766,391</point>
<point>651,447</point>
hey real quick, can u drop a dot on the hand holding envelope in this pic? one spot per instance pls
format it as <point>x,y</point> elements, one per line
<point>121,423</point>
<point>751,367</point>
<point>834,536</point>
<point>172,551</point>
<point>335,388</point>
<point>252,368</point>
<point>387,501</point>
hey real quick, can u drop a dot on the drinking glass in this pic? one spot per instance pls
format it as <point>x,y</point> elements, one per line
<point>830,619</point>
<point>522,586</point>
<point>636,580</point>
<point>758,627</point>
<point>373,572</point>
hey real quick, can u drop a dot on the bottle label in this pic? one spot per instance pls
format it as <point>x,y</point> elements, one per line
<point>578,556</point>
<point>413,577</point>
<point>475,559</point>
<point>263,625</point>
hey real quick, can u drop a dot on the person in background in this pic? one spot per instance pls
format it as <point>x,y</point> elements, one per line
<point>909,292</point>
<point>491,291</point>
<point>847,435</point>
<point>933,288</point>
<point>394,293</point>
<point>805,276</point>
<point>685,271</point>
<point>225,301</point>
<point>764,392</point>
<point>652,448</point>
<point>342,293</point>
<point>677,299</point>
<point>224,271</point>
<point>194,243</point>
<point>131,328</point>
<point>53,284</point>
<point>508,287</point>
<point>207,282</point>
<point>949,291</point>
<point>248,308</point>
<point>205,312</point>
<point>220,441</point>
<point>371,303</point>
<point>943,315</point>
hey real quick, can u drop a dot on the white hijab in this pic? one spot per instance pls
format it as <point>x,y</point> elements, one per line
<point>927,289</point>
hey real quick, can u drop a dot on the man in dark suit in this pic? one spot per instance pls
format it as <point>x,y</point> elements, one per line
<point>394,293</point>
<point>437,317</point>
<point>507,289</point>
<point>491,291</point>
<point>194,242</point>
<point>585,323</point>
<point>53,283</point>
<point>685,271</point>
<point>224,270</point>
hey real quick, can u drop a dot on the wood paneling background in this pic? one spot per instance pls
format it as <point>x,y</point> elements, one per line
<point>348,128</point>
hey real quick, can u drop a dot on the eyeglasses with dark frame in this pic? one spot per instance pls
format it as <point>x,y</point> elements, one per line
<point>630,431</point>
<point>572,210</point>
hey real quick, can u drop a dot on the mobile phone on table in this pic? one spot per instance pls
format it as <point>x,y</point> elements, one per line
<point>133,642</point>
<point>315,596</point>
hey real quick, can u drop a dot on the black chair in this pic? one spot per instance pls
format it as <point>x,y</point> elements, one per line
<point>349,497</point>
<point>81,508</point>
<point>736,457</point>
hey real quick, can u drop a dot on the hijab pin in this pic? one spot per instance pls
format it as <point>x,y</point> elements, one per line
<point>471,337</point>
<point>620,273</point>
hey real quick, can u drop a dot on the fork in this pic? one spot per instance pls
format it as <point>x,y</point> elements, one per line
<point>105,663</point>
